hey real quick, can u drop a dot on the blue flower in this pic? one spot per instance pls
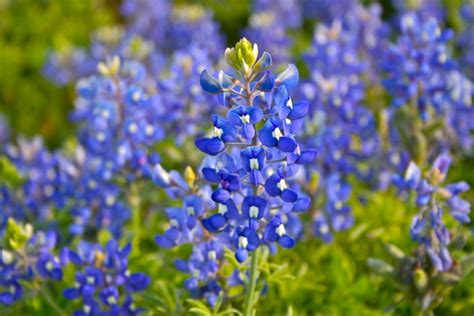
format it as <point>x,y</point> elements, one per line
<point>245,240</point>
<point>253,159</point>
<point>428,227</point>
<point>245,117</point>
<point>271,135</point>
<point>103,281</point>
<point>276,185</point>
<point>254,207</point>
<point>276,232</point>
<point>223,132</point>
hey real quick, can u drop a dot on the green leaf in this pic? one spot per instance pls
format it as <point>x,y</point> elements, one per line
<point>199,305</point>
<point>467,264</point>
<point>9,175</point>
<point>199,311</point>
<point>379,266</point>
<point>231,311</point>
<point>216,308</point>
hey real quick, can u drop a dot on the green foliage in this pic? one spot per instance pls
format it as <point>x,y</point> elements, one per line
<point>16,235</point>
<point>312,279</point>
<point>29,28</point>
<point>9,175</point>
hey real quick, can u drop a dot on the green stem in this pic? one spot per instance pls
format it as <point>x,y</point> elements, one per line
<point>250,299</point>
<point>51,302</point>
<point>136,217</point>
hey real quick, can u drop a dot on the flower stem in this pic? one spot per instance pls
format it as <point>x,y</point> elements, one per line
<point>250,298</point>
<point>52,303</point>
<point>136,217</point>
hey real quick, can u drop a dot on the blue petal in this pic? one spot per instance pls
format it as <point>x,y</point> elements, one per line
<point>209,83</point>
<point>241,255</point>
<point>263,63</point>
<point>267,83</point>
<point>74,257</point>
<point>256,177</point>
<point>182,265</point>
<point>302,204</point>
<point>220,196</point>
<point>215,223</point>
<point>266,137</point>
<point>211,146</point>
<point>286,241</point>
<point>287,144</point>
<point>271,235</point>
<point>164,242</point>
<point>255,113</point>
<point>306,156</point>
<point>211,175</point>
<point>271,185</point>
<point>248,131</point>
<point>253,240</point>
<point>300,109</point>
<point>289,195</point>
<point>71,293</point>
<point>289,77</point>
<point>234,117</point>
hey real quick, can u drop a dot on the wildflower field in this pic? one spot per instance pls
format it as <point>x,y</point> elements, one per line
<point>239,157</point>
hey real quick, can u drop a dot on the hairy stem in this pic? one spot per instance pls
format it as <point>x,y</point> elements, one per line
<point>136,217</point>
<point>250,298</point>
<point>49,299</point>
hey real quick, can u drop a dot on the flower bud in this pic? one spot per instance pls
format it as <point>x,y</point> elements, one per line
<point>17,235</point>
<point>243,56</point>
<point>189,176</point>
<point>379,266</point>
<point>110,67</point>
<point>394,251</point>
<point>420,279</point>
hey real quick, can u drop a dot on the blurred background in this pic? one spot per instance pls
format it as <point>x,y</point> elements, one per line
<point>32,104</point>
<point>30,29</point>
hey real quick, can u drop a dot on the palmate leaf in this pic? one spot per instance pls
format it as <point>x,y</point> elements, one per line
<point>199,308</point>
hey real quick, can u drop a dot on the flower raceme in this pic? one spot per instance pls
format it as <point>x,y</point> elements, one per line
<point>246,177</point>
<point>428,228</point>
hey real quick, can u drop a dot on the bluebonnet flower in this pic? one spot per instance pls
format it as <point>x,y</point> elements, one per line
<point>423,78</point>
<point>327,10</point>
<point>146,17</point>
<point>203,265</point>
<point>25,256</point>
<point>433,199</point>
<point>48,182</point>
<point>339,124</point>
<point>425,8</point>
<point>252,157</point>
<point>103,282</point>
<point>153,32</point>
<point>223,132</point>
<point>464,39</point>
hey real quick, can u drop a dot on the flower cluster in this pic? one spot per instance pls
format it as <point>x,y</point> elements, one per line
<point>464,40</point>
<point>422,76</point>
<point>433,199</point>
<point>253,154</point>
<point>48,182</point>
<point>154,32</point>
<point>25,256</point>
<point>103,281</point>
<point>339,124</point>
